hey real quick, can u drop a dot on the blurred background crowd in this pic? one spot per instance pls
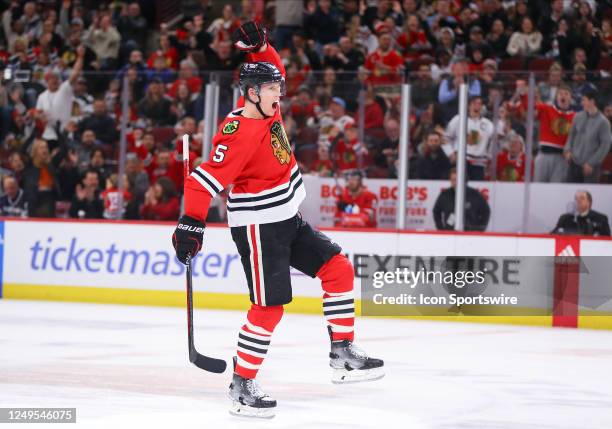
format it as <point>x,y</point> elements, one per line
<point>65,64</point>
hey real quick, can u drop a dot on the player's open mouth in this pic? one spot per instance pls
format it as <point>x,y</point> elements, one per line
<point>275,104</point>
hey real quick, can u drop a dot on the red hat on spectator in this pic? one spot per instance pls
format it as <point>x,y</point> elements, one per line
<point>381,28</point>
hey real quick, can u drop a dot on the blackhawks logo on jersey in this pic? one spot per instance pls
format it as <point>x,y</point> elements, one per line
<point>231,127</point>
<point>561,126</point>
<point>280,143</point>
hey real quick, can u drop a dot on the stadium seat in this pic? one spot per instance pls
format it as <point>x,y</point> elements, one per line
<point>512,64</point>
<point>605,64</point>
<point>163,134</point>
<point>540,65</point>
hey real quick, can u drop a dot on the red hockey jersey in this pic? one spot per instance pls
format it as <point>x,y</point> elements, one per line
<point>555,124</point>
<point>256,157</point>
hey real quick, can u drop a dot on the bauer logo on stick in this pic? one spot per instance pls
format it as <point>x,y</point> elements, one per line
<point>231,127</point>
<point>280,143</point>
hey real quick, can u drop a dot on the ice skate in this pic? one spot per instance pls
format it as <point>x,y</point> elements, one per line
<point>248,400</point>
<point>350,364</point>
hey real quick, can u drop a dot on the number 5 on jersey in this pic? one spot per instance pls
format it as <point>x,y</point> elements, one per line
<point>219,155</point>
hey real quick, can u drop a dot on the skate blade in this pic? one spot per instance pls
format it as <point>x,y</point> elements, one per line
<point>237,409</point>
<point>344,376</point>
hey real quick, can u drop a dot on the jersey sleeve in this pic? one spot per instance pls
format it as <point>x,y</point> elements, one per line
<point>230,152</point>
<point>269,55</point>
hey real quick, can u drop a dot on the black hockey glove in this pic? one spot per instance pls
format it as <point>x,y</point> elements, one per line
<point>250,37</point>
<point>187,237</point>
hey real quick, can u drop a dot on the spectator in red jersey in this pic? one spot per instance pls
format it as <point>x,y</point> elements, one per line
<point>164,166</point>
<point>303,106</point>
<point>348,151</point>
<point>323,165</point>
<point>385,64</point>
<point>161,201</point>
<point>297,73</point>
<point>373,112</point>
<point>142,144</point>
<point>187,75</point>
<point>555,124</point>
<point>413,41</point>
<point>511,161</point>
<point>110,197</point>
<point>356,206</point>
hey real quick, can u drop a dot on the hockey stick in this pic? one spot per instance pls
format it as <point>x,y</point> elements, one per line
<point>203,362</point>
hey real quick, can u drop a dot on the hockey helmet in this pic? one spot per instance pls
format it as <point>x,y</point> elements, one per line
<point>253,75</point>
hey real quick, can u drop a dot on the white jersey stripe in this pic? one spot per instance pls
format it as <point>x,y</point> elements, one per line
<point>255,336</point>
<point>340,328</point>
<point>342,297</point>
<point>211,178</point>
<point>248,365</point>
<point>267,191</point>
<point>253,343</point>
<point>206,186</point>
<point>339,307</point>
<point>340,316</point>
<point>293,185</point>
<point>272,214</point>
<point>258,329</point>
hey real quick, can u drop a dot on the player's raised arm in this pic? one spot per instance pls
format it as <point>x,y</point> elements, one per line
<point>251,38</point>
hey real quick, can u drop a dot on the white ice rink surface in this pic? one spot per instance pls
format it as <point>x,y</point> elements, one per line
<point>124,366</point>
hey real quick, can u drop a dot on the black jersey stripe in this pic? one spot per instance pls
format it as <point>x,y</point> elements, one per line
<point>253,340</point>
<point>334,303</point>
<point>231,200</point>
<point>253,349</point>
<point>207,180</point>
<point>296,185</point>
<point>332,312</point>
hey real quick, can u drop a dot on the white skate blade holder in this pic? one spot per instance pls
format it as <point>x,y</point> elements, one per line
<point>237,409</point>
<point>345,376</point>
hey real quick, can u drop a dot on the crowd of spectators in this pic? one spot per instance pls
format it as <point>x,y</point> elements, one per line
<point>65,64</point>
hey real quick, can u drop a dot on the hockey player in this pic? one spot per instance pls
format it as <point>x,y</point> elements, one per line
<point>252,152</point>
